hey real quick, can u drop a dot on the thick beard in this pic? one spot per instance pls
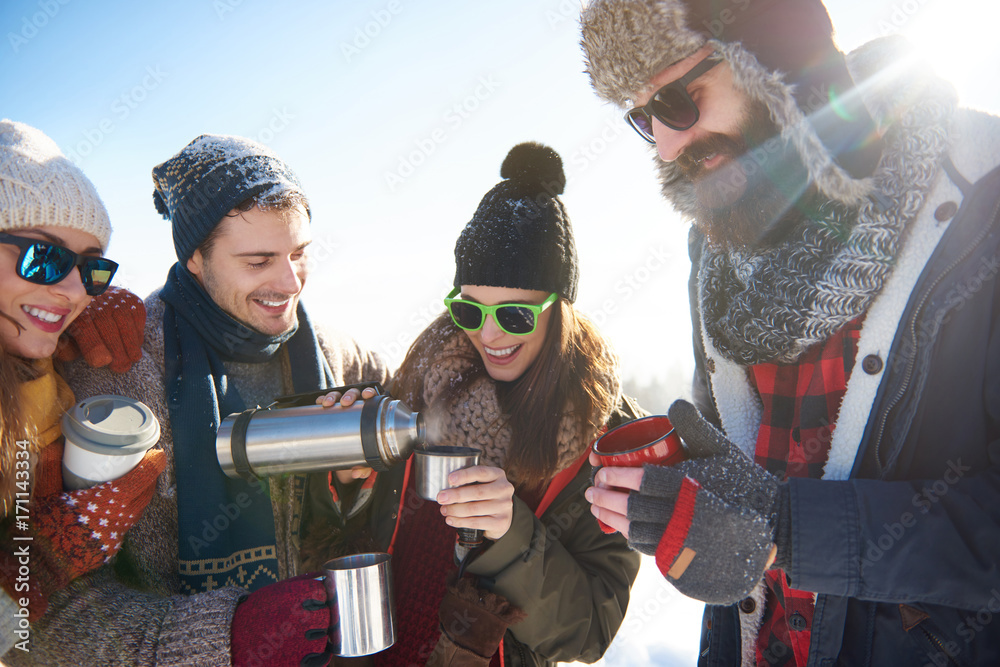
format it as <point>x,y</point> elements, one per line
<point>758,194</point>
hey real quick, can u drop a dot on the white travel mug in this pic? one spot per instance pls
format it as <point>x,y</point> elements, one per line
<point>106,436</point>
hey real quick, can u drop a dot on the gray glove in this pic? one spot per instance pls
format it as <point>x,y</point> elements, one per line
<point>709,521</point>
<point>719,465</point>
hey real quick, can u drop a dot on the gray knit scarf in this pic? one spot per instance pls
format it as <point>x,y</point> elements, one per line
<point>771,304</point>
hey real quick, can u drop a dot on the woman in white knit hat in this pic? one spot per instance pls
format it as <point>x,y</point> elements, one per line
<point>53,231</point>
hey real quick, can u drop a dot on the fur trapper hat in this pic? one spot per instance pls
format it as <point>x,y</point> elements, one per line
<point>781,53</point>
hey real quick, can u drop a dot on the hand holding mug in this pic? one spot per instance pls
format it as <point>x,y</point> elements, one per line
<point>621,453</point>
<point>480,497</point>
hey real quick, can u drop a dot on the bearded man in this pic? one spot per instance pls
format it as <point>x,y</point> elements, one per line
<point>840,501</point>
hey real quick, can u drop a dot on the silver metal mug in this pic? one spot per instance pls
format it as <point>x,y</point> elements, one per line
<point>433,463</point>
<point>359,593</point>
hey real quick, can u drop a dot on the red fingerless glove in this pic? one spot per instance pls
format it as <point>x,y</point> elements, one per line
<point>285,624</point>
<point>108,332</point>
<point>72,533</point>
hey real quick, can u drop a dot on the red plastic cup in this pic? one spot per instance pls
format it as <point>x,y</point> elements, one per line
<point>647,440</point>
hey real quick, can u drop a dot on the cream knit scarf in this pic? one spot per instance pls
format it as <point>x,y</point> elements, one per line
<point>771,304</point>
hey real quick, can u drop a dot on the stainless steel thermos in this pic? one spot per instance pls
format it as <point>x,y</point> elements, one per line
<point>294,435</point>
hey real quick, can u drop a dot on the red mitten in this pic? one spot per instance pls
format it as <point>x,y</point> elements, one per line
<point>73,533</point>
<point>285,624</point>
<point>108,331</point>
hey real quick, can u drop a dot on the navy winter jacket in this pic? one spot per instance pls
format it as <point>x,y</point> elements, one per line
<point>904,554</point>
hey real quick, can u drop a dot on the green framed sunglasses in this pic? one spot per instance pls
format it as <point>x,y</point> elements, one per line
<point>517,319</point>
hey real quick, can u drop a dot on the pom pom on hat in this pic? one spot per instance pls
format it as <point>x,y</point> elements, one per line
<point>41,187</point>
<point>535,164</point>
<point>520,235</point>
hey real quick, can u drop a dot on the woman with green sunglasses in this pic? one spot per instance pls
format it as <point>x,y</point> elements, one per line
<point>514,371</point>
<point>53,229</point>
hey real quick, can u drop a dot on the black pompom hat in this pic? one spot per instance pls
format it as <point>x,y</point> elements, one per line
<point>520,236</point>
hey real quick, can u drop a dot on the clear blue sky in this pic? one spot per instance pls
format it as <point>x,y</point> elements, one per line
<point>396,116</point>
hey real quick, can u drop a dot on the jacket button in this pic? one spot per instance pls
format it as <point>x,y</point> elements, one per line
<point>747,605</point>
<point>872,364</point>
<point>797,622</point>
<point>946,211</point>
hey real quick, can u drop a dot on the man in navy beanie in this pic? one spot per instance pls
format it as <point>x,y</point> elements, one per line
<point>841,500</point>
<point>213,573</point>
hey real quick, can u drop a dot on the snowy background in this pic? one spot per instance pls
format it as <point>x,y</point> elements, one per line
<point>396,116</point>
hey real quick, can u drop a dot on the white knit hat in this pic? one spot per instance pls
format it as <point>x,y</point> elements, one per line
<point>39,186</point>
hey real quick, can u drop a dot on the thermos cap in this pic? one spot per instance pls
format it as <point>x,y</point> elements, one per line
<point>111,425</point>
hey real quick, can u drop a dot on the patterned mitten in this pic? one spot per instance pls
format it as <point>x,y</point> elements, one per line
<point>710,550</point>
<point>108,332</point>
<point>284,624</point>
<point>719,466</point>
<point>472,623</point>
<point>72,533</point>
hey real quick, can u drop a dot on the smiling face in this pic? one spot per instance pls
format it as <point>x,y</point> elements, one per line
<point>506,356</point>
<point>744,177</point>
<point>42,311</point>
<point>256,268</point>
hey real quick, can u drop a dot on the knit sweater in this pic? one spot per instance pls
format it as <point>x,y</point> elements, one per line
<point>133,612</point>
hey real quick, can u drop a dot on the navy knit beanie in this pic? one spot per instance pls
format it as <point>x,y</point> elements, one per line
<point>520,236</point>
<point>209,177</point>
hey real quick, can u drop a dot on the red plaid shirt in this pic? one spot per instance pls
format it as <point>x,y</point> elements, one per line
<point>801,402</point>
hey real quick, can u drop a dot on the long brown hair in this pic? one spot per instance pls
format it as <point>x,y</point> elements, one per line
<point>569,375</point>
<point>13,372</point>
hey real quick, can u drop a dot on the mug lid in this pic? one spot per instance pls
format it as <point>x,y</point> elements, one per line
<point>111,425</point>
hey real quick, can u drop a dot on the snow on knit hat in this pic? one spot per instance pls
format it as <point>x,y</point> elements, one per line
<point>39,186</point>
<point>209,177</point>
<point>781,53</point>
<point>520,235</point>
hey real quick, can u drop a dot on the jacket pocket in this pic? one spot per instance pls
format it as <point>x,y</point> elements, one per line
<point>939,647</point>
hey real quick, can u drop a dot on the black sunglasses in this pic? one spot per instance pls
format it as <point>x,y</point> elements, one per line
<point>45,263</point>
<point>671,104</point>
